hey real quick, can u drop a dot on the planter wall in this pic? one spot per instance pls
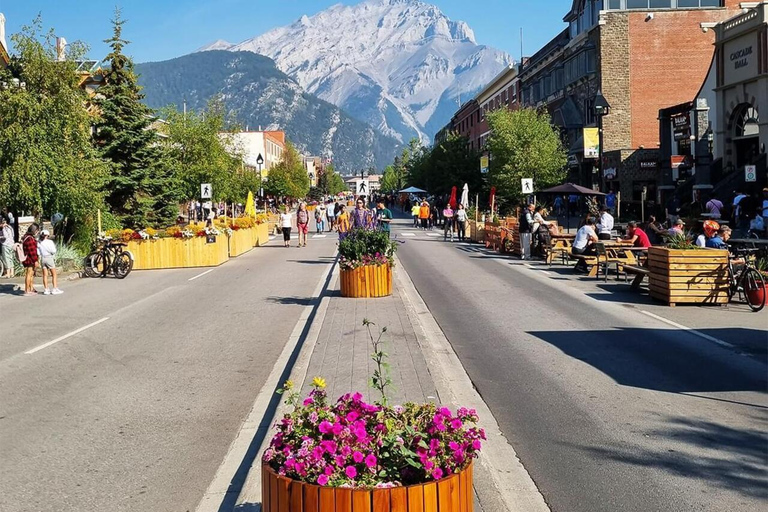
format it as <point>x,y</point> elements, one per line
<point>365,282</point>
<point>688,276</point>
<point>241,242</point>
<point>477,231</point>
<point>262,234</point>
<point>178,253</point>
<point>451,494</point>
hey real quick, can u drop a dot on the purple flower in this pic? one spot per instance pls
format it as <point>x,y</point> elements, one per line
<point>453,445</point>
<point>325,427</point>
<point>351,472</point>
<point>437,473</point>
<point>476,444</point>
<point>370,461</point>
<point>322,480</point>
<point>358,457</point>
<point>456,424</point>
<point>308,401</point>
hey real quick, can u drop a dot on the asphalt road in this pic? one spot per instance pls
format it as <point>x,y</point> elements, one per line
<point>608,405</point>
<point>137,412</point>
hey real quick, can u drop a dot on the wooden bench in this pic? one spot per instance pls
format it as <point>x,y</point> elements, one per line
<point>589,261</point>
<point>639,272</point>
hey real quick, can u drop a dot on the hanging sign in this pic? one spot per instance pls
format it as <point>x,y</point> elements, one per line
<point>484,160</point>
<point>527,185</point>
<point>591,143</point>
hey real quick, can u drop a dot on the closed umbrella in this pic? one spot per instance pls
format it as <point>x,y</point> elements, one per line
<point>452,200</point>
<point>465,196</point>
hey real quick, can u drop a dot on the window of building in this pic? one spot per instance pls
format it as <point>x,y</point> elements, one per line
<point>589,111</point>
<point>591,61</point>
<point>614,4</point>
<point>663,4</point>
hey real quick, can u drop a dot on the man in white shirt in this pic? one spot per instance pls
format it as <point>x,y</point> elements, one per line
<point>605,225</point>
<point>584,243</point>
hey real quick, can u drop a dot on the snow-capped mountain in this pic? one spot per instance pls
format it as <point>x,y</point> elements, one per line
<point>399,65</point>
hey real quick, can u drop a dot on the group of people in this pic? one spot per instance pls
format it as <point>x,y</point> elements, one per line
<point>427,217</point>
<point>339,219</point>
<point>35,249</point>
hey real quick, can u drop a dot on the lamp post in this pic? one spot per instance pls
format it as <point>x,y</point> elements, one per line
<point>602,108</point>
<point>710,137</point>
<point>260,162</point>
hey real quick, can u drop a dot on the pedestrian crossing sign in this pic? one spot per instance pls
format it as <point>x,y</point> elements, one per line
<point>527,185</point>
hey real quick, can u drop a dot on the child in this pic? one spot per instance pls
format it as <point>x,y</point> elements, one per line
<point>47,250</point>
<point>29,262</point>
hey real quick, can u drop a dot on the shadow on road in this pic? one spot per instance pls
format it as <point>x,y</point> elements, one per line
<point>10,289</point>
<point>293,301</point>
<point>720,455</point>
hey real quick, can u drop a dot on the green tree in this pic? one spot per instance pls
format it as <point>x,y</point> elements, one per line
<point>141,190</point>
<point>523,144</point>
<point>47,162</point>
<point>330,183</point>
<point>201,148</point>
<point>289,177</point>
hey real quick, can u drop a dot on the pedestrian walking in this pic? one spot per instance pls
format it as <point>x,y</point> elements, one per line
<point>286,225</point>
<point>320,213</point>
<point>559,206</point>
<point>384,218</point>
<point>342,220</point>
<point>46,249</point>
<point>415,209</point>
<point>6,248</point>
<point>448,222</point>
<point>302,224</point>
<point>434,216</point>
<point>526,230</point>
<point>361,216</point>
<point>29,247</point>
<point>461,222</point>
<point>610,201</point>
<point>424,212</point>
<point>715,208</point>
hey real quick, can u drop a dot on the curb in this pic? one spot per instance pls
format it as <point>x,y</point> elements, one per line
<point>507,484</point>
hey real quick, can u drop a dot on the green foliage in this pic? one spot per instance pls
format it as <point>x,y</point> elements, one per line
<point>200,148</point>
<point>440,168</point>
<point>47,162</point>
<point>141,189</point>
<point>380,380</point>
<point>681,241</point>
<point>330,182</point>
<point>523,144</point>
<point>361,242</point>
<point>289,177</point>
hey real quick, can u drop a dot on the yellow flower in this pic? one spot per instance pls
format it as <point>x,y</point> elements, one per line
<point>288,384</point>
<point>318,382</point>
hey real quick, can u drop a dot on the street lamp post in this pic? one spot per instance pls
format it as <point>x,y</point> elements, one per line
<point>260,162</point>
<point>602,108</point>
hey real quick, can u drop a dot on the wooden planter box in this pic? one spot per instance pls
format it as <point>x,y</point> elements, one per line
<point>450,494</point>
<point>241,242</point>
<point>366,282</point>
<point>178,253</point>
<point>262,234</point>
<point>688,276</point>
<point>477,231</point>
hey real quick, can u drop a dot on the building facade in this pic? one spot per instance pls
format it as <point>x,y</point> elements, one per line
<point>269,144</point>
<point>643,55</point>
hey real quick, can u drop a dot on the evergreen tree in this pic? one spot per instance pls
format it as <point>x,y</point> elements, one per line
<point>140,190</point>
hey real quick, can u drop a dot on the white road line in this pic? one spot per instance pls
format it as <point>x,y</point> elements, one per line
<point>201,275</point>
<point>68,335</point>
<point>408,234</point>
<point>319,236</point>
<point>434,234</point>
<point>692,331</point>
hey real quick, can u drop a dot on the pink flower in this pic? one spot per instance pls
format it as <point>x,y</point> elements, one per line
<point>370,461</point>
<point>456,424</point>
<point>340,460</point>
<point>322,480</point>
<point>337,428</point>
<point>328,471</point>
<point>453,445</point>
<point>352,416</point>
<point>308,401</point>
<point>329,446</point>
<point>358,457</point>
<point>445,412</point>
<point>476,444</point>
<point>437,473</point>
<point>351,472</point>
<point>325,427</point>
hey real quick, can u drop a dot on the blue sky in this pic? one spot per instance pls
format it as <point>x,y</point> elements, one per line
<point>163,29</point>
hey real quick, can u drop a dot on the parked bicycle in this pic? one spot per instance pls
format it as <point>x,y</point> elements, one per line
<point>745,280</point>
<point>109,258</point>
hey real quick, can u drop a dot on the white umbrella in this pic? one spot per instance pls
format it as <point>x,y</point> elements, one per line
<point>465,196</point>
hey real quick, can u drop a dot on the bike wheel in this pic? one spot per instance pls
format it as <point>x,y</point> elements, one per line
<point>123,265</point>
<point>753,288</point>
<point>93,265</point>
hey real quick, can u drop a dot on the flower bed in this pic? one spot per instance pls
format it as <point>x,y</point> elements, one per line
<point>365,262</point>
<point>178,252</point>
<point>241,241</point>
<point>366,281</point>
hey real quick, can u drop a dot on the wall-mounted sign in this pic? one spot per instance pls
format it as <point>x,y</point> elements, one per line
<point>740,58</point>
<point>527,185</point>
<point>649,164</point>
<point>681,124</point>
<point>677,161</point>
<point>610,173</point>
<point>573,161</point>
<point>591,143</point>
<point>750,173</point>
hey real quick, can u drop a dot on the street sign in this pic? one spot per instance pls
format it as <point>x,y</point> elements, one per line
<point>750,173</point>
<point>363,188</point>
<point>206,192</point>
<point>527,184</point>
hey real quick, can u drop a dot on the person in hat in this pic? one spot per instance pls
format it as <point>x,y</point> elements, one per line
<point>46,249</point>
<point>709,230</point>
<point>6,248</point>
<point>677,228</point>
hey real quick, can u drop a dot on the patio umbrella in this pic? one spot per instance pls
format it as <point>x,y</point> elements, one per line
<point>465,196</point>
<point>571,189</point>
<point>452,200</point>
<point>413,190</point>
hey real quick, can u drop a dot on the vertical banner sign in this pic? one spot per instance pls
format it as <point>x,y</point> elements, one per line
<point>591,143</point>
<point>750,173</point>
<point>484,164</point>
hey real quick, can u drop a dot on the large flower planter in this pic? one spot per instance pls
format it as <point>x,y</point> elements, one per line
<point>241,241</point>
<point>688,276</point>
<point>262,234</point>
<point>367,281</point>
<point>450,494</point>
<point>178,252</point>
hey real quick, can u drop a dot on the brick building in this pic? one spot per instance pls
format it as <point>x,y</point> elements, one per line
<point>644,55</point>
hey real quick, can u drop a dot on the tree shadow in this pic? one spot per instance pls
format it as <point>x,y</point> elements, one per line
<point>662,359</point>
<point>310,262</point>
<point>730,458</point>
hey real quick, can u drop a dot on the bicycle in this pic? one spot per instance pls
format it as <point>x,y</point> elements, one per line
<point>109,258</point>
<point>746,281</point>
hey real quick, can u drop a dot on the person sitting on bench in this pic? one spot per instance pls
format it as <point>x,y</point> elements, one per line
<point>584,243</point>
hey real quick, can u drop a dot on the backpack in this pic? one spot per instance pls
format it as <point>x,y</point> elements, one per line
<point>525,227</point>
<point>18,249</point>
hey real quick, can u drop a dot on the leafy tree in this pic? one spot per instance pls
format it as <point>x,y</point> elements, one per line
<point>289,177</point>
<point>523,144</point>
<point>140,190</point>
<point>47,162</point>
<point>200,148</point>
<point>330,181</point>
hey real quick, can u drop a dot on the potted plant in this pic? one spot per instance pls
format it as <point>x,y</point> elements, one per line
<point>357,456</point>
<point>681,272</point>
<point>365,262</point>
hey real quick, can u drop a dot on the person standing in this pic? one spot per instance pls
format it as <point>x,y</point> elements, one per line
<point>319,218</point>
<point>526,229</point>
<point>715,208</point>
<point>286,225</point>
<point>302,224</point>
<point>415,209</point>
<point>424,212</point>
<point>361,216</point>
<point>29,245</point>
<point>448,222</point>
<point>610,201</point>
<point>46,249</point>
<point>461,219</point>
<point>559,206</point>
<point>384,218</point>
<point>342,220</point>
<point>765,207</point>
<point>6,248</point>
<point>605,225</point>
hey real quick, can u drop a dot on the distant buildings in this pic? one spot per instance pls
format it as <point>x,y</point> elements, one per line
<point>5,58</point>
<point>267,144</point>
